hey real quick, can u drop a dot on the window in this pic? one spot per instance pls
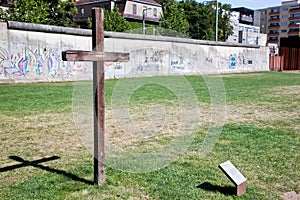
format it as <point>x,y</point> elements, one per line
<point>283,23</point>
<point>134,9</point>
<point>263,19</point>
<point>263,26</point>
<point>284,16</point>
<point>295,22</point>
<point>263,12</point>
<point>273,31</point>
<point>82,12</point>
<point>275,10</point>
<point>283,31</point>
<point>294,30</point>
<point>274,24</point>
<point>274,38</point>
<point>285,9</point>
<point>154,12</point>
<point>296,15</point>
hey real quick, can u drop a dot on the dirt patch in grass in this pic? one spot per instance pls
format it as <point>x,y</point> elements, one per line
<point>140,132</point>
<point>291,196</point>
<point>239,113</point>
<point>36,137</point>
<point>242,74</point>
<point>286,90</point>
<point>46,132</point>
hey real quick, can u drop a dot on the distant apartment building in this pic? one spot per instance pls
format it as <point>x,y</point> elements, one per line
<point>131,10</point>
<point>246,27</point>
<point>281,21</point>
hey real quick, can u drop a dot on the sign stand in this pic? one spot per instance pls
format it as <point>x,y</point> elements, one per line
<point>235,176</point>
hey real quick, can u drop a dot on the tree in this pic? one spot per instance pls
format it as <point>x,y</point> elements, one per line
<point>225,28</point>
<point>199,20</point>
<point>174,18</point>
<point>202,20</point>
<point>65,14</point>
<point>54,12</point>
<point>29,11</point>
<point>113,21</point>
<point>165,3</point>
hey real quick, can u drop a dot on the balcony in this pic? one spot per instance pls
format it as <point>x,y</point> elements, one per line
<point>274,13</point>
<point>273,34</point>
<point>273,41</point>
<point>293,25</point>
<point>274,19</point>
<point>295,9</point>
<point>273,27</point>
<point>293,18</point>
<point>294,32</point>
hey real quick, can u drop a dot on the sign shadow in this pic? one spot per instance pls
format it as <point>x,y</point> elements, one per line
<point>226,190</point>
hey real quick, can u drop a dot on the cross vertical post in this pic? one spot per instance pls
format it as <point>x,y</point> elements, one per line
<point>98,56</point>
<point>99,103</point>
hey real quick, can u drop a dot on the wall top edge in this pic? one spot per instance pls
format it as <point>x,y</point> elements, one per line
<point>174,39</point>
<point>86,32</point>
<point>47,28</point>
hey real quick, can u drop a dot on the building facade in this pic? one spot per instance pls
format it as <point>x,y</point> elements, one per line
<point>132,10</point>
<point>5,4</point>
<point>281,21</point>
<point>246,28</point>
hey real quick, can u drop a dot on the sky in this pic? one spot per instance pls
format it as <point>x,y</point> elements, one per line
<point>252,4</point>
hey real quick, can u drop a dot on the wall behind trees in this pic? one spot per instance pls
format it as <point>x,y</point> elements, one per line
<point>30,53</point>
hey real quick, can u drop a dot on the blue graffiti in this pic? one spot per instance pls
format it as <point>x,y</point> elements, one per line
<point>232,60</point>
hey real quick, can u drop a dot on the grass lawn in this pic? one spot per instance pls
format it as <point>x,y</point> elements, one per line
<point>43,157</point>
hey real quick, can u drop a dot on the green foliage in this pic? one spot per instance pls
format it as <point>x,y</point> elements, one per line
<point>56,12</point>
<point>65,14</point>
<point>113,21</point>
<point>174,18</point>
<point>197,20</point>
<point>30,11</point>
<point>89,22</point>
<point>225,28</point>
<point>165,3</point>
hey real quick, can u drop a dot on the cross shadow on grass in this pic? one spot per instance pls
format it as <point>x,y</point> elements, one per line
<point>226,190</point>
<point>37,164</point>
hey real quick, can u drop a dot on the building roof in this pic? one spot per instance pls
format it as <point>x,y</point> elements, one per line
<point>243,9</point>
<point>151,2</point>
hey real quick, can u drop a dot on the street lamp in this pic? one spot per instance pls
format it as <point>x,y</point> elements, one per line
<point>144,28</point>
<point>217,18</point>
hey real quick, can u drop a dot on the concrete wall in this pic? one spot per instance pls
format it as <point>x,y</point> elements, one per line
<point>30,52</point>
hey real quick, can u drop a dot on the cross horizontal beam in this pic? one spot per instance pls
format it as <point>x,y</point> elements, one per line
<point>77,55</point>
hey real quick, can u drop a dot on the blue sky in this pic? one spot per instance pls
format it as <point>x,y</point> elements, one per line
<point>252,4</point>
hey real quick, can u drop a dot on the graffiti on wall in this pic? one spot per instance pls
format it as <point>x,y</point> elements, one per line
<point>37,62</point>
<point>114,69</point>
<point>148,60</point>
<point>233,61</point>
<point>177,64</point>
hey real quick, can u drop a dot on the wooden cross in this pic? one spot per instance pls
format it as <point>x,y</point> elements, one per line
<point>99,57</point>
